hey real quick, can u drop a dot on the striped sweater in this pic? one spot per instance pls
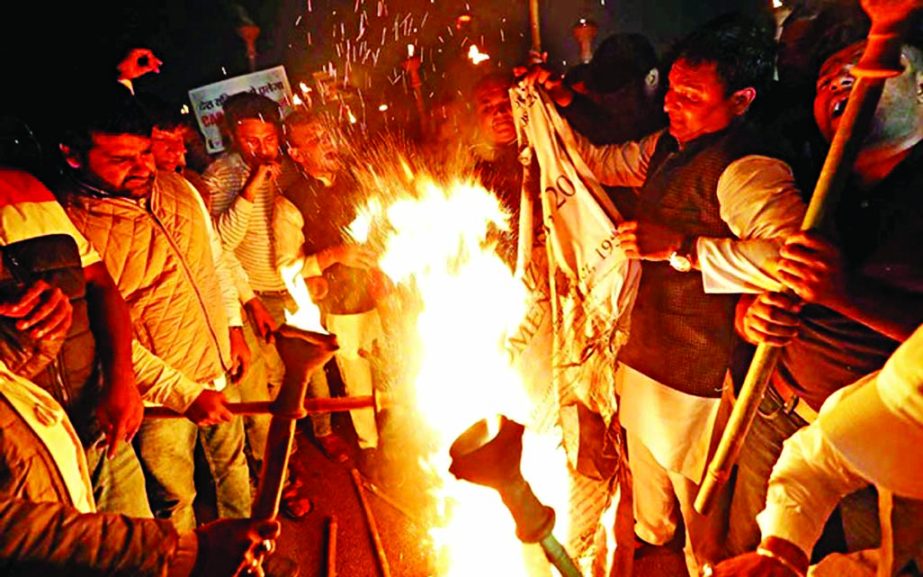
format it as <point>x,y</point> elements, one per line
<point>245,227</point>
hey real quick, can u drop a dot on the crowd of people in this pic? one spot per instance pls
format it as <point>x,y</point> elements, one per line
<point>134,276</point>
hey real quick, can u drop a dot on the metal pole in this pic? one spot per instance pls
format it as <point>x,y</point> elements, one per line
<point>880,60</point>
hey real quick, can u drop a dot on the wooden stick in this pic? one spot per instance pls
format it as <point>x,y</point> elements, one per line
<point>332,546</point>
<point>535,26</point>
<point>373,488</point>
<point>880,60</point>
<point>373,526</point>
<point>311,406</point>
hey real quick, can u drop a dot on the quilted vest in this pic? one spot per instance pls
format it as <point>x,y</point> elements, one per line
<point>71,376</point>
<point>157,251</point>
<point>680,336</point>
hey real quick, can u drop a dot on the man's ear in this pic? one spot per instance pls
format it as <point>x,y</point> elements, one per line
<point>920,87</point>
<point>293,152</point>
<point>742,99</point>
<point>71,157</point>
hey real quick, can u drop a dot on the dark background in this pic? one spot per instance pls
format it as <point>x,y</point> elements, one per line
<point>52,52</point>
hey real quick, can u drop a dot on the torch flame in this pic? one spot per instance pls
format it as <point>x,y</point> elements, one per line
<point>411,50</point>
<point>304,87</point>
<point>476,56</point>
<point>307,317</point>
<point>296,101</point>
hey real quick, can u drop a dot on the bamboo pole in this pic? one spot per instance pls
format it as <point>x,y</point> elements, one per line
<point>377,401</point>
<point>880,60</point>
<point>332,546</point>
<point>535,26</point>
<point>373,526</point>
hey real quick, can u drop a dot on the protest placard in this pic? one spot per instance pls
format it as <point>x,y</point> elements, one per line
<point>207,100</point>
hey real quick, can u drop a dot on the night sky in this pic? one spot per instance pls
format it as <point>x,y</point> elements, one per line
<point>51,51</point>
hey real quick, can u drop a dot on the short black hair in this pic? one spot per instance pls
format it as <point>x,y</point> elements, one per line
<point>164,114</point>
<point>109,108</point>
<point>742,49</point>
<point>244,105</point>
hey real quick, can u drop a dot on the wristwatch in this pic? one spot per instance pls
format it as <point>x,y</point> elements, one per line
<point>681,259</point>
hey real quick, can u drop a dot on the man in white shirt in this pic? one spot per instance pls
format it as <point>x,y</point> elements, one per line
<point>869,432</point>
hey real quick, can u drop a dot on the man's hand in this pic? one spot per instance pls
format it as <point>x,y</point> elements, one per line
<point>137,63</point>
<point>647,241</point>
<point>44,312</point>
<point>209,408</point>
<point>227,546</point>
<point>262,321</point>
<point>752,565</point>
<point>775,557</point>
<point>259,177</point>
<point>318,287</point>
<point>120,411</point>
<point>240,354</point>
<point>813,268</point>
<point>552,83</point>
<point>772,319</point>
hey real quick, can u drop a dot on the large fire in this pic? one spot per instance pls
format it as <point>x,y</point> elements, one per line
<point>435,239</point>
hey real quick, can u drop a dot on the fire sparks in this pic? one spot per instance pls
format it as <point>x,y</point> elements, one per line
<point>438,246</point>
<point>476,56</point>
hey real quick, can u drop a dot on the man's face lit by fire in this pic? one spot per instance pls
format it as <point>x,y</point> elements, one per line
<point>495,115</point>
<point>257,141</point>
<point>169,148</point>
<point>697,101</point>
<point>122,164</point>
<point>899,115</point>
<point>314,148</point>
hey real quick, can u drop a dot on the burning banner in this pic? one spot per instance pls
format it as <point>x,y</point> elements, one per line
<point>583,287</point>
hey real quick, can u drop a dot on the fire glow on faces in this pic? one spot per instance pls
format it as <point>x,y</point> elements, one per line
<point>257,141</point>
<point>697,101</point>
<point>123,164</point>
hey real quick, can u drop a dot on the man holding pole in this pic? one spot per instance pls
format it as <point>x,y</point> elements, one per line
<point>859,283</point>
<point>713,209</point>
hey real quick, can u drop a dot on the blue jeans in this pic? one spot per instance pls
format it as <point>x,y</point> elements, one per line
<point>167,450</point>
<point>759,454</point>
<point>118,483</point>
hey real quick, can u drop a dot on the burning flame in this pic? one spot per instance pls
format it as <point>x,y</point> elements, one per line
<point>411,50</point>
<point>304,87</point>
<point>383,108</point>
<point>476,56</point>
<point>438,246</point>
<point>296,101</point>
<point>307,317</point>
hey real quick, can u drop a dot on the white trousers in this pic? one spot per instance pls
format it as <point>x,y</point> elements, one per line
<point>356,335</point>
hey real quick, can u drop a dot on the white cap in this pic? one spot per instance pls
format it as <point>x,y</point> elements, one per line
<point>876,424</point>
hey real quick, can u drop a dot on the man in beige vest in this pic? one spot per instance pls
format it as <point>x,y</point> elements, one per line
<point>154,235</point>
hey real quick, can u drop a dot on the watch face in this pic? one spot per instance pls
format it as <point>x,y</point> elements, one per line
<point>680,262</point>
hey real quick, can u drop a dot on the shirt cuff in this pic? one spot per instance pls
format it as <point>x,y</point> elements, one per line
<point>733,266</point>
<point>789,522</point>
<point>179,395</point>
<point>184,557</point>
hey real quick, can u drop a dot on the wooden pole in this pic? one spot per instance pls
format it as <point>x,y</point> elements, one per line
<point>880,61</point>
<point>332,546</point>
<point>311,406</point>
<point>373,526</point>
<point>535,26</point>
<point>303,353</point>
